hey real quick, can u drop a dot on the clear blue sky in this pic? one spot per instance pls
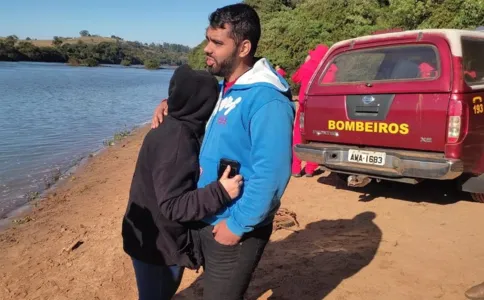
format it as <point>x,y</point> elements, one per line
<point>173,21</point>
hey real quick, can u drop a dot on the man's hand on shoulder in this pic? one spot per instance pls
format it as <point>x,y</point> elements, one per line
<point>224,236</point>
<point>160,112</point>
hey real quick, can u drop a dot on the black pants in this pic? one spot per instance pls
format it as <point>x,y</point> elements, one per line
<point>228,269</point>
<point>156,282</point>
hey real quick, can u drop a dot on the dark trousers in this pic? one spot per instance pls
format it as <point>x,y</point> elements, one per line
<point>156,282</point>
<point>228,269</point>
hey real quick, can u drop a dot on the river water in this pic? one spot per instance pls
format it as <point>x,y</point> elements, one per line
<point>53,115</point>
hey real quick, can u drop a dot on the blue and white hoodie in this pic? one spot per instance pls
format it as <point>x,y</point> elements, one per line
<point>252,123</point>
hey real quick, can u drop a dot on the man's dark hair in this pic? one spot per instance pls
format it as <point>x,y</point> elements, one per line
<point>244,21</point>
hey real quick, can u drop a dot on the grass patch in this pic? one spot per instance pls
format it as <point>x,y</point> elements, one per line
<point>118,136</point>
<point>22,220</point>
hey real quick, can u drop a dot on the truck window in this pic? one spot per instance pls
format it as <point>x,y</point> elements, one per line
<point>392,63</point>
<point>473,63</point>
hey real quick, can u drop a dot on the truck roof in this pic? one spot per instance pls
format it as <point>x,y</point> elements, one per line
<point>452,35</point>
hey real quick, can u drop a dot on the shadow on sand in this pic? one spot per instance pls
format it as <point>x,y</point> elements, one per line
<point>429,191</point>
<point>310,263</point>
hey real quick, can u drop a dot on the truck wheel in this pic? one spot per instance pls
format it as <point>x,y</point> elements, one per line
<point>477,197</point>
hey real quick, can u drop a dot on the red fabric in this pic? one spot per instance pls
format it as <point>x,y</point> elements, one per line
<point>306,70</point>
<point>296,139</point>
<point>426,70</point>
<point>281,72</point>
<point>472,74</point>
<point>330,75</point>
<point>228,85</point>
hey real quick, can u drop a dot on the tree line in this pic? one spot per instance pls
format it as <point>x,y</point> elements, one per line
<point>291,27</point>
<point>91,52</point>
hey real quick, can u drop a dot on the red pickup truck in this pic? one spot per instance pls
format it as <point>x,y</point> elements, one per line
<point>403,106</point>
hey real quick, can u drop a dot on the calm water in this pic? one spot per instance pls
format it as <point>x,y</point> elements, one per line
<point>53,115</point>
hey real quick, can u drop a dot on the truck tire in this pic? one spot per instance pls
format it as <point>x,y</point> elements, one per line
<point>477,197</point>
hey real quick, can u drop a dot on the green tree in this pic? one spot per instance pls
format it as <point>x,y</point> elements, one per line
<point>268,6</point>
<point>28,51</point>
<point>57,41</point>
<point>456,14</point>
<point>11,40</point>
<point>126,62</point>
<point>90,62</point>
<point>84,33</point>
<point>292,27</point>
<point>409,14</point>
<point>196,57</point>
<point>152,64</point>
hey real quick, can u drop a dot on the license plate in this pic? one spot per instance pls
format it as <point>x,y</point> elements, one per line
<point>367,157</point>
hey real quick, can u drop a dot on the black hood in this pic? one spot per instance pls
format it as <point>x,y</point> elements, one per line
<point>192,96</point>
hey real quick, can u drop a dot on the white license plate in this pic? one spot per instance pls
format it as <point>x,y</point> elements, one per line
<point>367,157</point>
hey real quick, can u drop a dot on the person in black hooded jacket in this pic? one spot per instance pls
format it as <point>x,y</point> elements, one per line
<point>164,202</point>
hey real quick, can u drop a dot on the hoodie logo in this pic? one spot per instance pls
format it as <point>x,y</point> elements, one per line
<point>222,120</point>
<point>229,104</point>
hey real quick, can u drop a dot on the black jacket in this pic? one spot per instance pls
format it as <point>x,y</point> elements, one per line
<point>164,192</point>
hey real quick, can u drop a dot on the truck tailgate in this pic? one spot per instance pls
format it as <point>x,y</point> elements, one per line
<point>406,121</point>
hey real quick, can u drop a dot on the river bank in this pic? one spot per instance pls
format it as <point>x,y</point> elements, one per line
<point>391,241</point>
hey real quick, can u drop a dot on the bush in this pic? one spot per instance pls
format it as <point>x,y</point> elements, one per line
<point>74,62</point>
<point>126,62</point>
<point>152,64</point>
<point>90,62</point>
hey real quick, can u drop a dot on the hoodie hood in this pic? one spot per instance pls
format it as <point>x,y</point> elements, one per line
<point>306,70</point>
<point>262,74</point>
<point>192,96</point>
<point>318,53</point>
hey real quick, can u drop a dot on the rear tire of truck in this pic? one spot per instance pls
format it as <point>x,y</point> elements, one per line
<point>477,197</point>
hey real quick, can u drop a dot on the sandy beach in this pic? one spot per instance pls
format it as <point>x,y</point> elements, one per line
<point>385,241</point>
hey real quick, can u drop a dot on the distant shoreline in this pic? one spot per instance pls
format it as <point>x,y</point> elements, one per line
<point>137,66</point>
<point>92,50</point>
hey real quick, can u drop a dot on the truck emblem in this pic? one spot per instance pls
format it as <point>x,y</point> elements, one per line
<point>368,99</point>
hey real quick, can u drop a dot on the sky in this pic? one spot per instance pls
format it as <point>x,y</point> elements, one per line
<point>172,21</point>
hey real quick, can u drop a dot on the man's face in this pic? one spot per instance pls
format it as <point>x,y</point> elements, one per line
<point>221,51</point>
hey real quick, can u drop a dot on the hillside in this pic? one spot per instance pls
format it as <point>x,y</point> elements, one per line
<point>84,39</point>
<point>92,50</point>
<point>291,27</point>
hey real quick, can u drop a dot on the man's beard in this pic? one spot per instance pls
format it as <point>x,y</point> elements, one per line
<point>225,68</point>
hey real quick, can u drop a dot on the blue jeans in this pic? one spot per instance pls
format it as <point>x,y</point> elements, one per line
<point>156,282</point>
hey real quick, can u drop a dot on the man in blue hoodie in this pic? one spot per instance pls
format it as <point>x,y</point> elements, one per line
<point>252,123</point>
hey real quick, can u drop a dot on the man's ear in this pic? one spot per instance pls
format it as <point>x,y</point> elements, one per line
<point>245,47</point>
